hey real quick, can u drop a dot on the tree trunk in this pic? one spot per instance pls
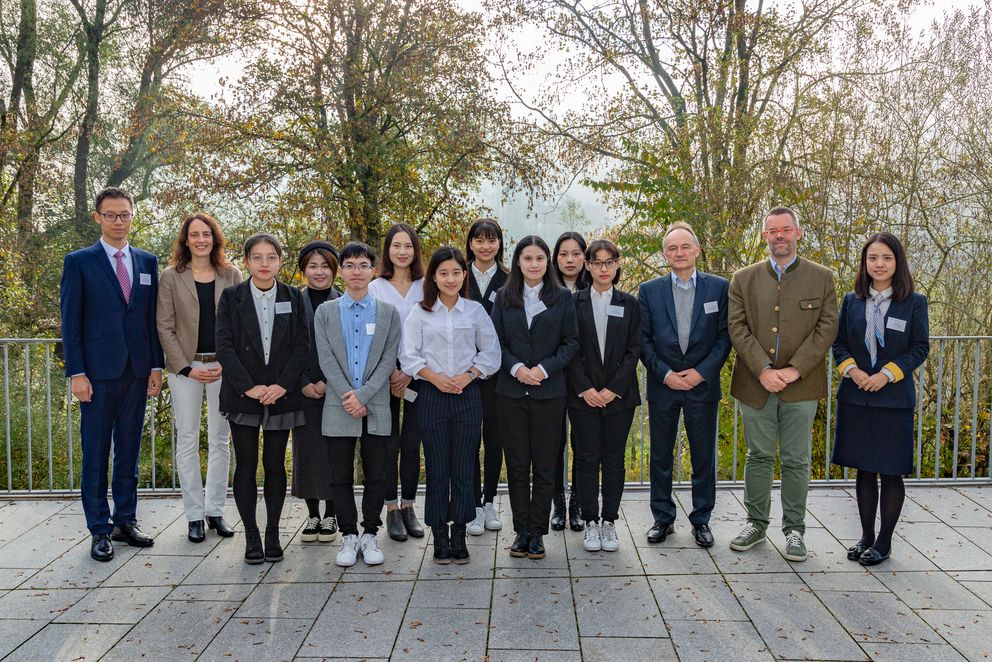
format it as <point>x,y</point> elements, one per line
<point>93,32</point>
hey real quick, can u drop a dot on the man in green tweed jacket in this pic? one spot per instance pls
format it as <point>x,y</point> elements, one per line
<point>782,318</point>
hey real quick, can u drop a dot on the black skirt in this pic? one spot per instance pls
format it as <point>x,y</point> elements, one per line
<point>877,439</point>
<point>311,466</point>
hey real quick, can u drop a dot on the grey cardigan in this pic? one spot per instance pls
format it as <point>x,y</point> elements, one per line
<point>333,357</point>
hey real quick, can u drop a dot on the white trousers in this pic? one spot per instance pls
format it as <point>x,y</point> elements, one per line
<point>187,403</point>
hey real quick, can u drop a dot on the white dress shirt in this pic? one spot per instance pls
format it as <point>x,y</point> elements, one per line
<point>532,302</point>
<point>883,309</point>
<point>265,309</point>
<point>483,278</point>
<point>382,290</point>
<point>450,341</point>
<point>600,315</point>
<point>111,252</point>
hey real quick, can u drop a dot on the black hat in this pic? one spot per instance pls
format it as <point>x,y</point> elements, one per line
<point>301,261</point>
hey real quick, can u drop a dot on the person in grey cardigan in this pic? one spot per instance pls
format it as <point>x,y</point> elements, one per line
<point>357,341</point>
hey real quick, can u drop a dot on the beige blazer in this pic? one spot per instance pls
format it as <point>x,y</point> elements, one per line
<point>178,313</point>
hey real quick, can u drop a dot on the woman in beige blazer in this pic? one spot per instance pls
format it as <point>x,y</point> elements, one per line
<point>199,272</point>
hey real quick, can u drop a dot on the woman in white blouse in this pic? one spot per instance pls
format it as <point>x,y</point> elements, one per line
<point>401,284</point>
<point>449,342</point>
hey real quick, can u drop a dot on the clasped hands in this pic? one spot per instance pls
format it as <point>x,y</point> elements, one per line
<point>774,380</point>
<point>267,395</point>
<point>530,376</point>
<point>600,398</point>
<point>205,375</point>
<point>685,380</point>
<point>866,382</point>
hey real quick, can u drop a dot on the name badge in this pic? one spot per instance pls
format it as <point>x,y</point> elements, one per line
<point>710,307</point>
<point>536,309</point>
<point>284,307</point>
<point>370,330</point>
<point>145,279</point>
<point>895,324</point>
<point>409,395</point>
<point>614,311</point>
<point>492,296</point>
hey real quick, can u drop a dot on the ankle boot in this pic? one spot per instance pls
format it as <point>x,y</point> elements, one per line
<point>558,516</point>
<point>273,550</point>
<point>574,512</point>
<point>394,525</point>
<point>253,547</point>
<point>442,547</point>
<point>459,552</point>
<point>410,522</point>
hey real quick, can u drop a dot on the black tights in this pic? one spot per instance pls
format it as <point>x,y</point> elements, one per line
<point>313,508</point>
<point>893,495</point>
<point>245,441</point>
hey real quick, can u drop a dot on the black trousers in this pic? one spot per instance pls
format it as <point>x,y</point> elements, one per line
<point>530,430</point>
<point>487,472</point>
<point>700,428</point>
<point>244,438</point>
<point>403,447</point>
<point>600,442</point>
<point>560,464</point>
<point>450,426</point>
<point>342,453</point>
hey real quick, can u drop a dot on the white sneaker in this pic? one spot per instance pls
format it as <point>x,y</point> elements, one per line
<point>477,526</point>
<point>493,522</point>
<point>349,551</point>
<point>608,535</point>
<point>369,546</point>
<point>591,541</point>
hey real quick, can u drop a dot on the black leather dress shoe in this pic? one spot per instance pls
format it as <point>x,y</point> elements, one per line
<point>132,535</point>
<point>410,522</point>
<point>855,551</point>
<point>394,525</point>
<point>872,556</point>
<point>574,513</point>
<point>442,545</point>
<point>520,545</point>
<point>273,550</point>
<point>459,551</point>
<point>702,535</point>
<point>535,548</point>
<point>660,531</point>
<point>253,547</point>
<point>196,532</point>
<point>220,526</point>
<point>558,514</point>
<point>101,549</point>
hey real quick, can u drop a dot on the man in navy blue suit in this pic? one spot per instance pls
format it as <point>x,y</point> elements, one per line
<point>684,346</point>
<point>113,357</point>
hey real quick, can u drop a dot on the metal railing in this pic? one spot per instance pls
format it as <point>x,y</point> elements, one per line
<point>954,409</point>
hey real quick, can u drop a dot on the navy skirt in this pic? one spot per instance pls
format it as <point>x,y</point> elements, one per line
<point>877,439</point>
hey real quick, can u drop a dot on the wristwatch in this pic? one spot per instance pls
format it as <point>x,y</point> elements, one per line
<point>474,376</point>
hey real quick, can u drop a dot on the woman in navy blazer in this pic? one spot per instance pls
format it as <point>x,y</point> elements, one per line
<point>535,321</point>
<point>884,336</point>
<point>603,393</point>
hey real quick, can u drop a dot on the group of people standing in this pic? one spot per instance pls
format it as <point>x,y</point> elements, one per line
<point>467,351</point>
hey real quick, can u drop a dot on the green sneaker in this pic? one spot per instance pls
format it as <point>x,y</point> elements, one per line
<point>749,536</point>
<point>795,549</point>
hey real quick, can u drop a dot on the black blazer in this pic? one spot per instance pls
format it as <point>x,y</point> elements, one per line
<point>239,350</point>
<point>488,297</point>
<point>551,341</point>
<point>618,372</point>
<point>312,373</point>
<point>905,350</point>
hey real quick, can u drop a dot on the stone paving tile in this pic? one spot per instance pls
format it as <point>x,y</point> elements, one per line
<point>980,495</point>
<point>952,507</point>
<point>452,593</point>
<point>360,619</point>
<point>623,562</point>
<point>536,571</point>
<point>664,560</point>
<point>981,536</point>
<point>878,617</point>
<point>39,546</point>
<point>442,634</point>
<point>403,561</point>
<point>173,541</point>
<point>533,614</point>
<point>598,601</point>
<point>173,630</point>
<point>904,558</point>
<point>882,652</point>
<point>610,649</point>
<point>947,548</point>
<point>306,564</point>
<point>858,581</point>
<point>826,553</point>
<point>981,589</point>
<point>762,558</point>
<point>19,516</point>
<point>709,641</point>
<point>971,575</point>
<point>496,655</point>
<point>39,604</point>
<point>211,592</point>
<point>696,597</point>
<point>13,633</point>
<point>554,546</point>
<point>75,568</point>
<point>258,639</point>
<point>120,605</point>
<point>14,577</point>
<point>149,570</point>
<point>285,601</point>
<point>226,565</point>
<point>480,566</point>
<point>930,590</point>
<point>838,515</point>
<point>66,641</point>
<point>967,631</point>
<point>912,511</point>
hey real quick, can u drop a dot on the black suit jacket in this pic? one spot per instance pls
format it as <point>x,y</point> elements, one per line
<point>551,341</point>
<point>312,373</point>
<point>239,350</point>
<point>489,296</point>
<point>618,370</point>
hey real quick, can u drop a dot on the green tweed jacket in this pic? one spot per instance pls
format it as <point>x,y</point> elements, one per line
<point>781,324</point>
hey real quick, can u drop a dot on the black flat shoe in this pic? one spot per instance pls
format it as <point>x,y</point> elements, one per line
<point>410,522</point>
<point>574,513</point>
<point>520,544</point>
<point>394,525</point>
<point>660,531</point>
<point>558,515</point>
<point>442,545</point>
<point>702,535</point>
<point>220,526</point>
<point>273,550</point>
<point>196,532</point>
<point>871,556</point>
<point>855,551</point>
<point>101,549</point>
<point>132,535</point>
<point>253,547</point>
<point>535,548</point>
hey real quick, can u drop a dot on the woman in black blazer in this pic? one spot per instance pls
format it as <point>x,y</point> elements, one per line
<point>263,345</point>
<point>535,321</point>
<point>884,336</point>
<point>486,274</point>
<point>602,392</point>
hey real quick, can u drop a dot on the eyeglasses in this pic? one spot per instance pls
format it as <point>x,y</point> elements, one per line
<point>600,264</point>
<point>110,216</point>
<point>263,259</point>
<point>785,232</point>
<point>348,266</point>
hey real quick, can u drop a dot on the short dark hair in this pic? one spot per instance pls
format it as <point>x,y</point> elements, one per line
<point>112,192</point>
<point>583,280</point>
<point>357,249</point>
<point>487,228</point>
<point>781,209</point>
<point>512,294</point>
<point>902,280</point>
<point>431,290</point>
<point>416,267</point>
<point>262,238</point>
<point>604,245</point>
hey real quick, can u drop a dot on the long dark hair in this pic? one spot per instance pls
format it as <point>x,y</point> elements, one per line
<point>583,280</point>
<point>181,255</point>
<point>487,228</point>
<point>440,256</point>
<point>416,267</point>
<point>512,294</point>
<point>902,280</point>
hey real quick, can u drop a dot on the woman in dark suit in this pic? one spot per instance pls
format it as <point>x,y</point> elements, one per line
<point>603,393</point>
<point>535,321</point>
<point>318,262</point>
<point>884,336</point>
<point>263,345</point>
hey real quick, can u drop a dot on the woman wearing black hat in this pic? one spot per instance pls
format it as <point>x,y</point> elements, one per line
<point>318,262</point>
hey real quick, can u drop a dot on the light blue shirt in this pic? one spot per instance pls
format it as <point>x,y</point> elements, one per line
<point>780,271</point>
<point>111,252</point>
<point>358,327</point>
<point>685,285</point>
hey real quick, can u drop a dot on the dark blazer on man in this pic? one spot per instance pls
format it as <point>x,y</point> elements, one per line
<point>488,297</point>
<point>551,341</point>
<point>709,341</point>
<point>618,370</point>
<point>907,344</point>
<point>240,352</point>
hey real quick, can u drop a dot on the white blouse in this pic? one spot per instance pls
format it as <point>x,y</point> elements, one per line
<point>450,341</point>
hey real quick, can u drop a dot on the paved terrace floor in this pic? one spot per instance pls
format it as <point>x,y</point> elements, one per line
<point>674,601</point>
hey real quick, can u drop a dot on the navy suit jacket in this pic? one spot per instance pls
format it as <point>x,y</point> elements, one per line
<point>709,341</point>
<point>905,350</point>
<point>100,332</point>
